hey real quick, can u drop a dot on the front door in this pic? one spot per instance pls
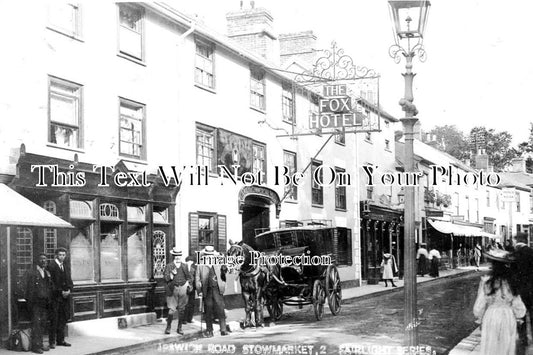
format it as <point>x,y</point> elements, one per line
<point>254,218</point>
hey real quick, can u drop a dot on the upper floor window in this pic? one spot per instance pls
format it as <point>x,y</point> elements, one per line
<point>205,146</point>
<point>340,137</point>
<point>387,144</point>
<point>340,189</point>
<point>257,89</point>
<point>259,157</point>
<point>65,17</point>
<point>131,134</point>
<point>289,160</point>
<point>287,102</point>
<point>65,124</point>
<point>204,73</point>
<point>131,31</point>
<point>368,137</point>
<point>517,200</point>
<point>488,198</point>
<point>317,190</point>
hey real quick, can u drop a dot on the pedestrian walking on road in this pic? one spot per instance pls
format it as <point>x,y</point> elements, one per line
<point>498,306</point>
<point>477,255</point>
<point>179,281</point>
<point>434,260</point>
<point>422,257</point>
<point>389,268</point>
<point>523,276</point>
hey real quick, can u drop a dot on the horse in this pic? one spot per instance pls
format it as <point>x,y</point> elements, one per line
<point>254,280</point>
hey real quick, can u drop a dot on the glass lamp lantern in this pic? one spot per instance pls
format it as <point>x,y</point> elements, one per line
<point>410,17</point>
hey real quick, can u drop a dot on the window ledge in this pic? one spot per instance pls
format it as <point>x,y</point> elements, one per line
<point>340,143</point>
<point>316,205</point>
<point>369,142</point>
<point>289,122</point>
<point>64,33</point>
<point>206,88</point>
<point>294,202</point>
<point>388,150</point>
<point>341,209</point>
<point>78,150</point>
<point>260,110</point>
<point>132,59</point>
<point>134,160</point>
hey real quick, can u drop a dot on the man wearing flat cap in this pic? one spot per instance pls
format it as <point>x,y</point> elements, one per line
<point>179,281</point>
<point>210,285</point>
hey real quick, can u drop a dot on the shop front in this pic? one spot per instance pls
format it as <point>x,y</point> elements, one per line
<point>381,232</point>
<point>119,245</point>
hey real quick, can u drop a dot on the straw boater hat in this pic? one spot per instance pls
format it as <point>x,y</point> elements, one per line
<point>209,250</point>
<point>500,255</point>
<point>176,251</point>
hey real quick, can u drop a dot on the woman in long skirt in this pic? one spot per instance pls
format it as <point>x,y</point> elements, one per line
<point>388,265</point>
<point>498,307</point>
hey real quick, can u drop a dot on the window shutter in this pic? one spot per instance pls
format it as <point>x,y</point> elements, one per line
<point>193,233</point>
<point>221,233</point>
<point>349,242</point>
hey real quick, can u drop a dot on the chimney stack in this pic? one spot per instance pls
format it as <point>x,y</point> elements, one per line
<point>518,165</point>
<point>299,45</point>
<point>253,29</point>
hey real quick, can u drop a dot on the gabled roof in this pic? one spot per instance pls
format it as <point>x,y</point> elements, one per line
<point>519,180</point>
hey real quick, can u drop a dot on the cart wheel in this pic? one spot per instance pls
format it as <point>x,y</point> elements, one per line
<point>333,289</point>
<point>319,298</point>
<point>275,309</point>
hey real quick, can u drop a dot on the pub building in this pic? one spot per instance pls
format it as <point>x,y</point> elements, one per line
<point>117,249</point>
<point>381,232</point>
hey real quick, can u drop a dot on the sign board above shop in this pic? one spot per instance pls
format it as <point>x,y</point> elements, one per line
<point>335,110</point>
<point>508,195</point>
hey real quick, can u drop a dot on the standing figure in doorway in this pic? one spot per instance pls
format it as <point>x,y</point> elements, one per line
<point>178,281</point>
<point>60,306</point>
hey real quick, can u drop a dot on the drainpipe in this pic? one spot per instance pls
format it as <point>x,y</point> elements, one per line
<point>181,38</point>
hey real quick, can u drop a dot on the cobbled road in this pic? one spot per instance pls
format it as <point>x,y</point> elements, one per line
<point>445,317</point>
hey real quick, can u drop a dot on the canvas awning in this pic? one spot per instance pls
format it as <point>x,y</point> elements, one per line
<point>17,210</point>
<point>459,230</point>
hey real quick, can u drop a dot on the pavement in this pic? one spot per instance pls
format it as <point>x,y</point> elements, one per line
<point>103,340</point>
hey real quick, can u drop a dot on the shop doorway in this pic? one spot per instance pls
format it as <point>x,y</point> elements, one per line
<point>255,218</point>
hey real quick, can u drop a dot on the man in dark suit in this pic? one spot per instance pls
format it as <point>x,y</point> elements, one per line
<point>189,309</point>
<point>179,282</point>
<point>61,289</point>
<point>211,284</point>
<point>523,274</point>
<point>38,294</point>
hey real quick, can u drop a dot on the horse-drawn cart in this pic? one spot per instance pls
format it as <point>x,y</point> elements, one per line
<point>312,276</point>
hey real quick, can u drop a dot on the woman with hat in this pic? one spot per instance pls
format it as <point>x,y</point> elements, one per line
<point>498,306</point>
<point>388,267</point>
<point>179,281</point>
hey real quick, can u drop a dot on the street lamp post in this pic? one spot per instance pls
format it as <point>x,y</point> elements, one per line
<point>409,19</point>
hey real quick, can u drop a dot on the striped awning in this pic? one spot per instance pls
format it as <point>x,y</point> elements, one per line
<point>17,210</point>
<point>459,230</point>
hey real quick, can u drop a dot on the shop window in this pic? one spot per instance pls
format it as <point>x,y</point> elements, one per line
<point>257,89</point>
<point>81,209</point>
<point>205,147</point>
<point>136,213</point>
<point>159,252</point>
<point>82,255</point>
<point>344,246</point>
<point>64,110</point>
<point>317,190</point>
<point>204,66</point>
<point>289,160</point>
<point>24,253</point>
<point>131,31</point>
<point>109,211</point>
<point>137,254</point>
<point>65,18</point>
<point>131,135</point>
<point>110,252</point>
<point>50,243</point>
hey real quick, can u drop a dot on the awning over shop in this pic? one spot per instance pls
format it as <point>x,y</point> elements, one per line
<point>459,230</point>
<point>17,210</point>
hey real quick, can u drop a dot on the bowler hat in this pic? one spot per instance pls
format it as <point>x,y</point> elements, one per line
<point>176,251</point>
<point>208,250</point>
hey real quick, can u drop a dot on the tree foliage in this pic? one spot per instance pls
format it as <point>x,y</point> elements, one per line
<point>452,141</point>
<point>498,147</point>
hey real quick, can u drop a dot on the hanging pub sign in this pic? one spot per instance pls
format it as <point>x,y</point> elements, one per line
<point>335,110</point>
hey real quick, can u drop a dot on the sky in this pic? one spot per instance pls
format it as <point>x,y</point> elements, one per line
<point>477,72</point>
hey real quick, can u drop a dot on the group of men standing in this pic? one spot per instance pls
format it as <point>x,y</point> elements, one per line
<point>183,280</point>
<point>48,288</point>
